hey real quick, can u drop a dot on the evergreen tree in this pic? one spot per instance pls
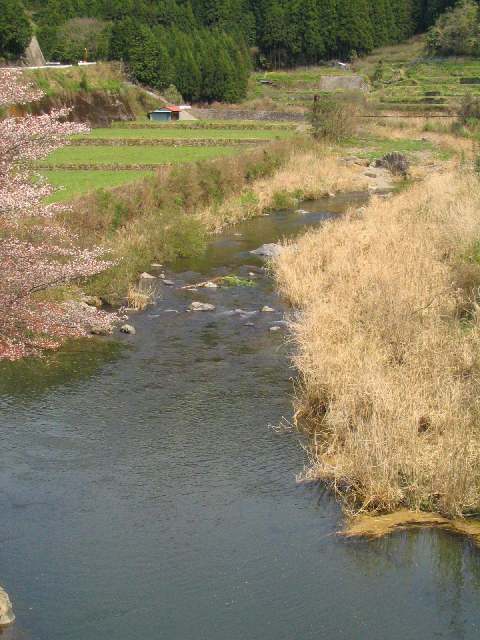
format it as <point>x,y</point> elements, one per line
<point>15,29</point>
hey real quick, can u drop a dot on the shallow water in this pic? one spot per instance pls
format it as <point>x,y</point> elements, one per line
<point>144,494</point>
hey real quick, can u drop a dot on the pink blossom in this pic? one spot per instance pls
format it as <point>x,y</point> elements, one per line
<point>37,254</point>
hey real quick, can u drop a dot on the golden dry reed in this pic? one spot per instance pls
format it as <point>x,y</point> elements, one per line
<point>307,174</point>
<point>387,337</point>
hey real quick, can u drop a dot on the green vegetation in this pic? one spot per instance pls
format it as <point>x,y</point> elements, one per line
<point>372,147</point>
<point>333,118</point>
<point>456,32</point>
<point>236,281</point>
<point>15,29</point>
<point>203,47</point>
<point>231,125</point>
<point>73,183</point>
<point>156,219</point>
<point>100,77</point>
<point>90,175</point>
<point>131,155</point>
<point>190,133</point>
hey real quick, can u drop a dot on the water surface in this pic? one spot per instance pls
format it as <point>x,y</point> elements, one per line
<point>145,495</point>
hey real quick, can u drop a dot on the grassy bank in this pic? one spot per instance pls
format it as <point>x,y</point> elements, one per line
<point>169,213</point>
<point>387,340</point>
<point>96,162</point>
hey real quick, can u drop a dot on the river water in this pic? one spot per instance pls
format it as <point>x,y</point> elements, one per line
<point>145,494</point>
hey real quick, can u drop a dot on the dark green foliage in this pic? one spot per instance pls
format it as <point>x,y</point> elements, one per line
<point>15,29</point>
<point>203,46</point>
<point>457,31</point>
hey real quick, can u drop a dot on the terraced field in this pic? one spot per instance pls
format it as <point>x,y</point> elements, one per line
<point>109,157</point>
<point>400,78</point>
<point>426,85</point>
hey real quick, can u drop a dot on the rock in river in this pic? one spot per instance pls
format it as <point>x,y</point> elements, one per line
<point>201,306</point>
<point>271,250</point>
<point>128,328</point>
<point>267,309</point>
<point>6,611</point>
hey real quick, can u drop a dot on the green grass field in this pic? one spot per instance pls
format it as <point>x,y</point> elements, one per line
<point>132,155</point>
<point>156,133</point>
<point>74,183</point>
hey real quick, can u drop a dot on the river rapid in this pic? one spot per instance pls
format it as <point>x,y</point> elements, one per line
<point>145,494</point>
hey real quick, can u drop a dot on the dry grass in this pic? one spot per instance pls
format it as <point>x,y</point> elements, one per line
<point>307,175</point>
<point>140,296</point>
<point>415,128</point>
<point>388,348</point>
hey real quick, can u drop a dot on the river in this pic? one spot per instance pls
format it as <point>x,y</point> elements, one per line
<point>145,494</point>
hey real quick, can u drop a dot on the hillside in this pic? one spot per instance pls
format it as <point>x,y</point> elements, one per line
<point>206,49</point>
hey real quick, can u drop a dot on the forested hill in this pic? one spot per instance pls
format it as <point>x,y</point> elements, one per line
<point>204,46</point>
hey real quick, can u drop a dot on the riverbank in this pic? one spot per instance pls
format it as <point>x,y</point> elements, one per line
<point>171,213</point>
<point>386,337</point>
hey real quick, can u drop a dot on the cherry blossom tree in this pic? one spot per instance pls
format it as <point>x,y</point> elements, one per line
<point>37,253</point>
<point>23,140</point>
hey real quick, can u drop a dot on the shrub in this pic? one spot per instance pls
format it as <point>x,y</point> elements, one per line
<point>456,32</point>
<point>334,117</point>
<point>396,163</point>
<point>469,109</point>
<point>173,95</point>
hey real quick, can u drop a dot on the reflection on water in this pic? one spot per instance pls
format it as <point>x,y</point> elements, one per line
<point>75,360</point>
<point>149,498</point>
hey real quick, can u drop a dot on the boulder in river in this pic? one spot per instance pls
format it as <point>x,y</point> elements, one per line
<point>146,276</point>
<point>271,250</point>
<point>128,328</point>
<point>201,306</point>
<point>6,610</point>
<point>267,309</point>
<point>168,283</point>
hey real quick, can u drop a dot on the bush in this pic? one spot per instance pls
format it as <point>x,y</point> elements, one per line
<point>469,109</point>
<point>396,163</point>
<point>456,32</point>
<point>173,95</point>
<point>334,117</point>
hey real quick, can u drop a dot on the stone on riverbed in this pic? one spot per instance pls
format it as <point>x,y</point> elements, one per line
<point>128,328</point>
<point>270,250</point>
<point>201,306</point>
<point>147,276</point>
<point>168,283</point>
<point>267,309</point>
<point>6,611</point>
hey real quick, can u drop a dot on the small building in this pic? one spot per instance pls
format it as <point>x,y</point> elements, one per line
<point>165,114</point>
